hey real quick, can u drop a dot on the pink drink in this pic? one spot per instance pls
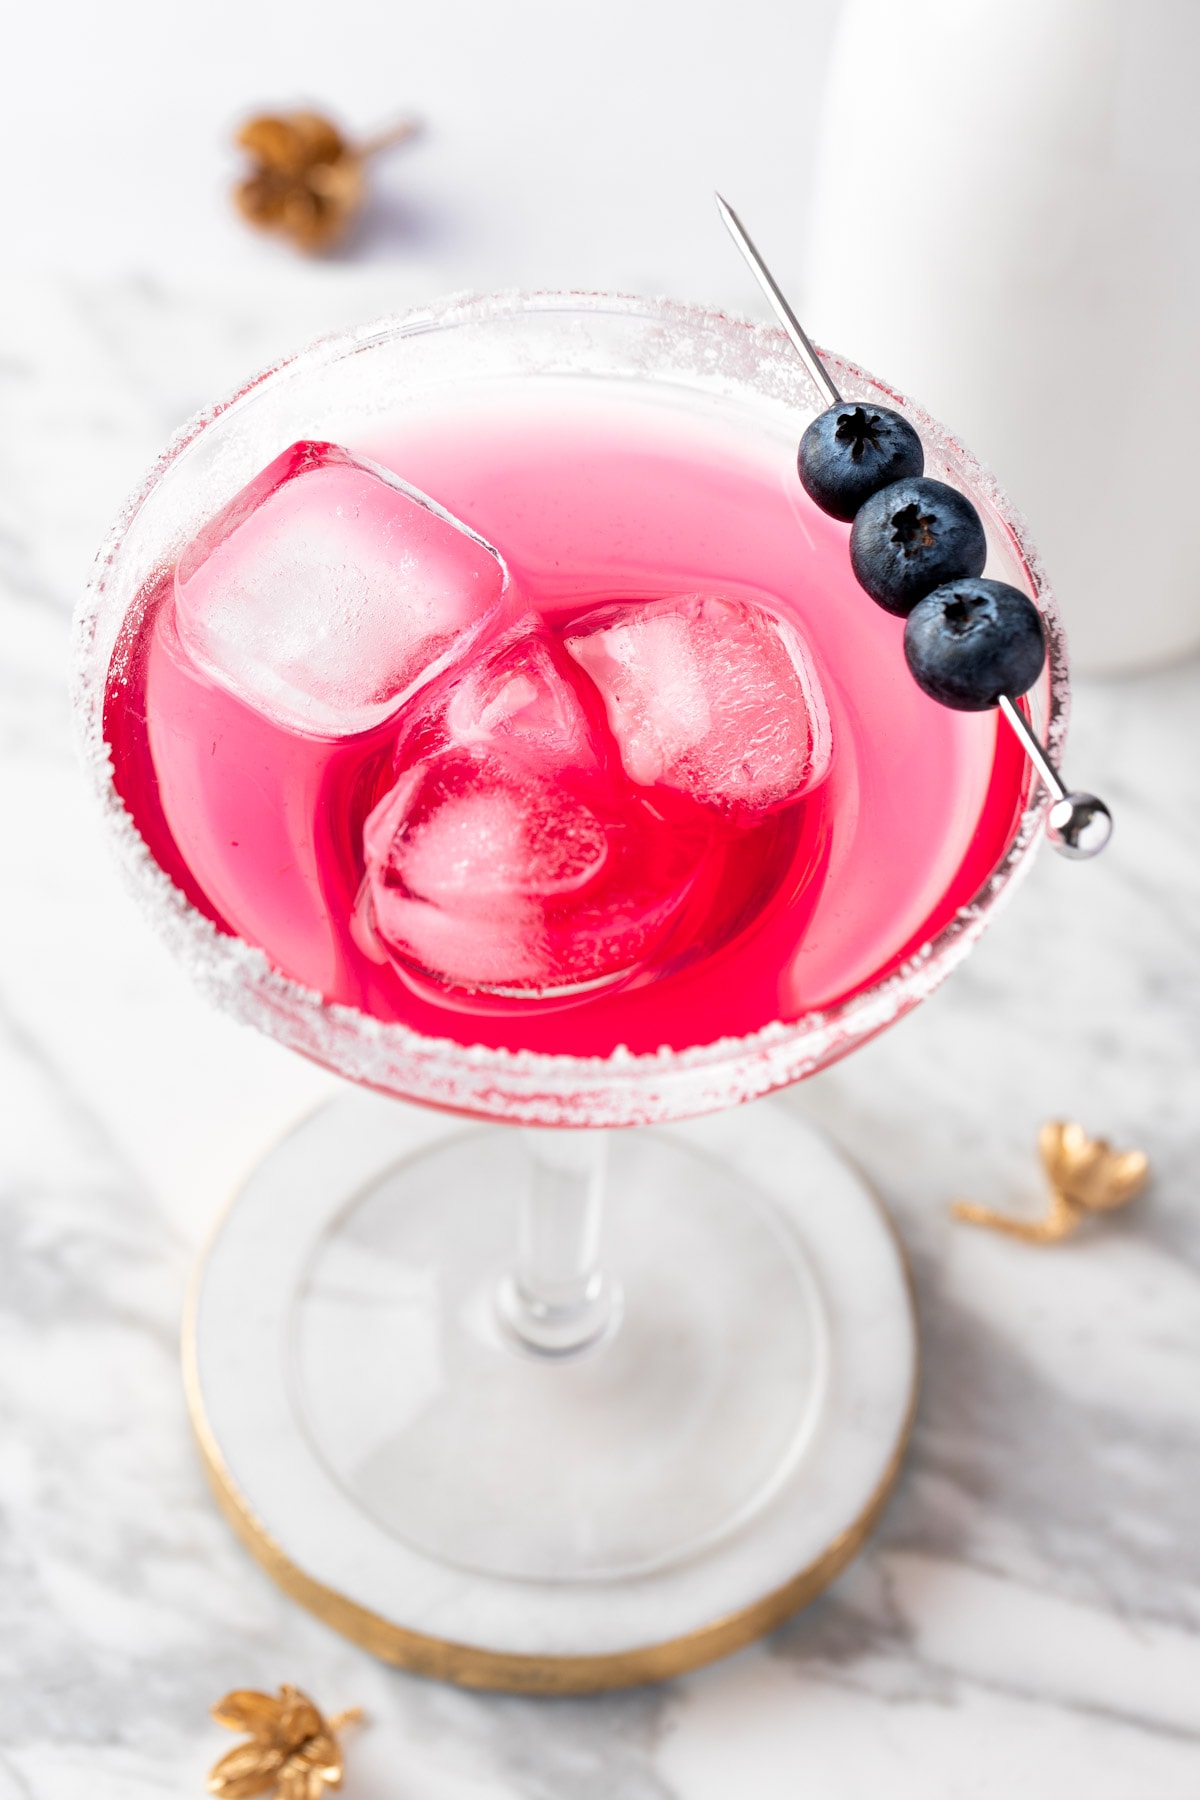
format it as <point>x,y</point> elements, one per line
<point>659,899</point>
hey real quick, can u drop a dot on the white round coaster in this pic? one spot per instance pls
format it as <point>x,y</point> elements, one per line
<point>276,1321</point>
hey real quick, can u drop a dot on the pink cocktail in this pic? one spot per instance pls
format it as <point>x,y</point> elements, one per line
<point>672,784</point>
<point>484,710</point>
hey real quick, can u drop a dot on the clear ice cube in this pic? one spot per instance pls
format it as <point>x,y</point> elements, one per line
<point>710,695</point>
<point>520,700</point>
<point>328,591</point>
<point>467,859</point>
<point>504,859</point>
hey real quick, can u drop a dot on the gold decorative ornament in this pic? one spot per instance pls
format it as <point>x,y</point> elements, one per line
<point>1086,1176</point>
<point>291,1752</point>
<point>308,181</point>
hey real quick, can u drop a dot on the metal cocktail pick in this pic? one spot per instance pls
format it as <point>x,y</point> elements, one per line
<point>1078,825</point>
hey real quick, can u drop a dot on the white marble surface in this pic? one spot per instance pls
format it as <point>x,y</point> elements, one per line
<point>1028,1620</point>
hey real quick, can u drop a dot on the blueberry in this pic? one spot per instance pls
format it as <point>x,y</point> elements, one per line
<point>971,641</point>
<point>911,537</point>
<point>850,452</point>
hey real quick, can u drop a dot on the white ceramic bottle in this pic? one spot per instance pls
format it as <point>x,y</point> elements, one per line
<point>1006,223</point>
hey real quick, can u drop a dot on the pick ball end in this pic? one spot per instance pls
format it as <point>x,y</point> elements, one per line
<point>1079,826</point>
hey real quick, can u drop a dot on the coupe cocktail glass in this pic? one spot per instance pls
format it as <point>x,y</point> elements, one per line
<point>606,1403</point>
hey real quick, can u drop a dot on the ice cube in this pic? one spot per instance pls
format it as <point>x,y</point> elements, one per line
<point>522,701</point>
<point>710,695</point>
<point>328,591</point>
<point>493,840</point>
<point>471,871</point>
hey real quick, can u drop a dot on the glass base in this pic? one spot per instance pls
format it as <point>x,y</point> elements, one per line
<point>404,1464</point>
<point>681,1416</point>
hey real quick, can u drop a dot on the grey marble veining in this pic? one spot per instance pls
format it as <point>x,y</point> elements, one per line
<point>1027,1619</point>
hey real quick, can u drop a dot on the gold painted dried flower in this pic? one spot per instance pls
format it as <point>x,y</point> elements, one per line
<point>292,1752</point>
<point>307,181</point>
<point>1086,1175</point>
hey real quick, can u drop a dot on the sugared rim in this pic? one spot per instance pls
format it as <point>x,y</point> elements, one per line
<point>522,1085</point>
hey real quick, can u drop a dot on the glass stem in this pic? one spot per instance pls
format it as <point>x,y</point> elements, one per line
<point>558,1300</point>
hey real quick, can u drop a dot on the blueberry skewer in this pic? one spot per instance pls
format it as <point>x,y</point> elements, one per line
<point>918,548</point>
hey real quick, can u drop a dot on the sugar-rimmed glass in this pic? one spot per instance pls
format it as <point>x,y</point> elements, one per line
<point>589,1481</point>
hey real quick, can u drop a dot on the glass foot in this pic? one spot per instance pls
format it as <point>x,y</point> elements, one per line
<point>463,1499</point>
<point>680,1415</point>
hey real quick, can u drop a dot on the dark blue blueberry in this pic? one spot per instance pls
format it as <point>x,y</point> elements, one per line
<point>911,537</point>
<point>971,641</point>
<point>850,452</point>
